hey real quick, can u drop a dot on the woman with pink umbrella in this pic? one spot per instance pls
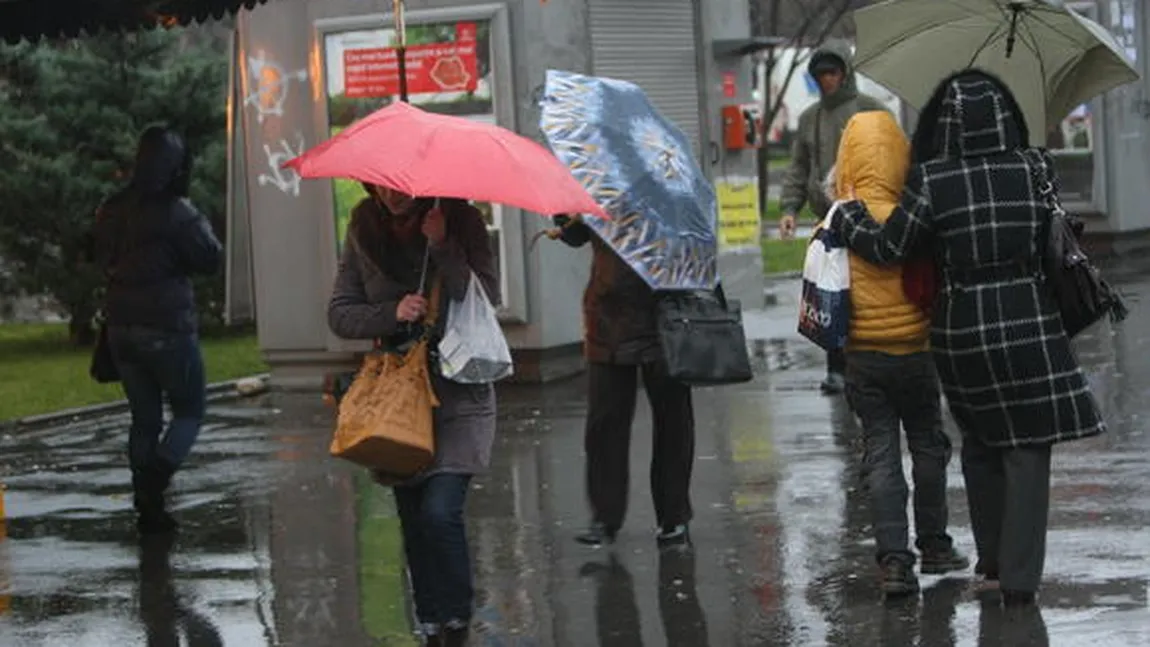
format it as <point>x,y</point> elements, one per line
<point>416,230</point>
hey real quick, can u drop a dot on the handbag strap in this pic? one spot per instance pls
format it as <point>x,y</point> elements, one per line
<point>721,294</point>
<point>1042,181</point>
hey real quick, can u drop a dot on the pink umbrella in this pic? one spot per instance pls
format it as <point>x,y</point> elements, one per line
<point>428,155</point>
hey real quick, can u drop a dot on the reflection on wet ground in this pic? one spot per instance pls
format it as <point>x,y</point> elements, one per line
<point>284,546</point>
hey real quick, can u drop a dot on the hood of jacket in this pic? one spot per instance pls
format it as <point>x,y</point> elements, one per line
<point>874,157</point>
<point>163,164</point>
<point>840,50</point>
<point>971,114</point>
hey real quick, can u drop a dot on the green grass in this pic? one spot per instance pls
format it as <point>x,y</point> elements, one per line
<point>779,164</point>
<point>42,372</point>
<point>784,255</point>
<point>773,212</point>
<point>382,587</point>
<point>348,193</point>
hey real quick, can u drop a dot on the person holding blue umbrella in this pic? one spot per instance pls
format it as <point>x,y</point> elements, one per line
<point>621,343</point>
<point>660,237</point>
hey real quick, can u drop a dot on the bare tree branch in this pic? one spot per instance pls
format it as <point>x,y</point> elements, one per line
<point>804,24</point>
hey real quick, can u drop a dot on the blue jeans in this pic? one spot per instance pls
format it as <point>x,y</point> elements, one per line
<point>153,364</point>
<point>435,542</point>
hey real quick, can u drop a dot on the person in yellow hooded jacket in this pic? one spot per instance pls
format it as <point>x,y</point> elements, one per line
<point>891,380</point>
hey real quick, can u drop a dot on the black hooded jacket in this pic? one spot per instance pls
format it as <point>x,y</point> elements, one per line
<point>150,240</point>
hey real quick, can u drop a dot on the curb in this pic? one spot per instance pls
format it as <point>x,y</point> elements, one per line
<point>216,392</point>
<point>784,276</point>
<point>771,291</point>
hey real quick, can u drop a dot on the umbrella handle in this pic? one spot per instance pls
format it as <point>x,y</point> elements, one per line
<point>423,272</point>
<point>1015,9</point>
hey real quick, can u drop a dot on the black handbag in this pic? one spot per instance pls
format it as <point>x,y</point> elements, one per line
<point>103,367</point>
<point>702,337</point>
<point>1082,295</point>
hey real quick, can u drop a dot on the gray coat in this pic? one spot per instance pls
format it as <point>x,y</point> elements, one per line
<point>377,270</point>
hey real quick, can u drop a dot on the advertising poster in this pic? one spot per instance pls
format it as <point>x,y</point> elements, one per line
<point>448,72</point>
<point>739,215</point>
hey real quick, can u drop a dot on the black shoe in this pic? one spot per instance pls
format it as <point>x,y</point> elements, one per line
<point>898,578</point>
<point>430,635</point>
<point>455,634</point>
<point>834,384</point>
<point>677,535</point>
<point>597,534</point>
<point>1015,599</point>
<point>934,562</point>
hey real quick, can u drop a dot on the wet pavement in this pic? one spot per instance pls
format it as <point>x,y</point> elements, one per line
<point>282,545</point>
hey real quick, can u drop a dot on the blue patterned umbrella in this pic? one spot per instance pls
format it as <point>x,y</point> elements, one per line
<point>639,168</point>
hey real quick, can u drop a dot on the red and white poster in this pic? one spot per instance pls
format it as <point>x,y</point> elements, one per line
<point>431,69</point>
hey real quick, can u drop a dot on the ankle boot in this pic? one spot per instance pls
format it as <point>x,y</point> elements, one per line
<point>149,485</point>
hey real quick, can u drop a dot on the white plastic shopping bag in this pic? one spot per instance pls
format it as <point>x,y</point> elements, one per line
<point>473,349</point>
<point>825,307</point>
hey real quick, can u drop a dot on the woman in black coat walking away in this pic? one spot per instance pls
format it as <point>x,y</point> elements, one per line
<point>1004,359</point>
<point>150,241</point>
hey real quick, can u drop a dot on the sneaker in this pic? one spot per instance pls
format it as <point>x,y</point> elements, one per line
<point>834,384</point>
<point>934,562</point>
<point>673,535</point>
<point>898,578</point>
<point>597,534</point>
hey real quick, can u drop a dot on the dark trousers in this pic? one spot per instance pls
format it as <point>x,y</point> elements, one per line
<point>1008,490</point>
<point>607,441</point>
<point>890,393</point>
<point>155,364</point>
<point>435,543</point>
<point>836,362</point>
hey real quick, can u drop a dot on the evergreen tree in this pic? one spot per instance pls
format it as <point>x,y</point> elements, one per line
<point>70,113</point>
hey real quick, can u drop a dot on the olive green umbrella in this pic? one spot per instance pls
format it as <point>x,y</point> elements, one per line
<point>1052,58</point>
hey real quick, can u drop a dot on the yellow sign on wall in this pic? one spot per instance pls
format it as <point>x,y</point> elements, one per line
<point>739,216</point>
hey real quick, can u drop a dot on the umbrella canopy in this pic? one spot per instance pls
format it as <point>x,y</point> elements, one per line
<point>33,19</point>
<point>639,167</point>
<point>428,155</point>
<point>1052,59</point>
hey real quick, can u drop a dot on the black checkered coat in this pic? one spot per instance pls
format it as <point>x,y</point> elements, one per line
<point>1005,362</point>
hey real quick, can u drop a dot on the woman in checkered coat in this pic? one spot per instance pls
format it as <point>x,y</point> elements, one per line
<point>1005,362</point>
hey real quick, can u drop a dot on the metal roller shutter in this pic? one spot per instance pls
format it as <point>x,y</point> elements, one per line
<point>651,43</point>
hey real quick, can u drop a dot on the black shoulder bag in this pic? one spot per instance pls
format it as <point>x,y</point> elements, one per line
<point>103,368</point>
<point>702,337</point>
<point>1082,295</point>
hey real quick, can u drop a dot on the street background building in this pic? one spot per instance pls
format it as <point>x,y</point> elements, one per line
<point>299,77</point>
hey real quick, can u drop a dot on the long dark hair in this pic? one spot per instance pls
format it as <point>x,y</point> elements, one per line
<point>924,143</point>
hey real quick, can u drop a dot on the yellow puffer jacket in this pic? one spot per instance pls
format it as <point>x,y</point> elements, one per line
<point>874,156</point>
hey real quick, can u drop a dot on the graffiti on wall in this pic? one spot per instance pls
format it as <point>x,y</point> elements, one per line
<point>270,85</point>
<point>284,179</point>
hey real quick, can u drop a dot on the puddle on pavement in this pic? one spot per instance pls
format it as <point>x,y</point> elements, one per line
<point>283,546</point>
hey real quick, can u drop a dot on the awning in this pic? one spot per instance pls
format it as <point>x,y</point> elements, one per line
<point>36,19</point>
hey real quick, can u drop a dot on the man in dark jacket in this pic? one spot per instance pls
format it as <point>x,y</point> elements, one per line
<point>814,151</point>
<point>622,342</point>
<point>150,241</point>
